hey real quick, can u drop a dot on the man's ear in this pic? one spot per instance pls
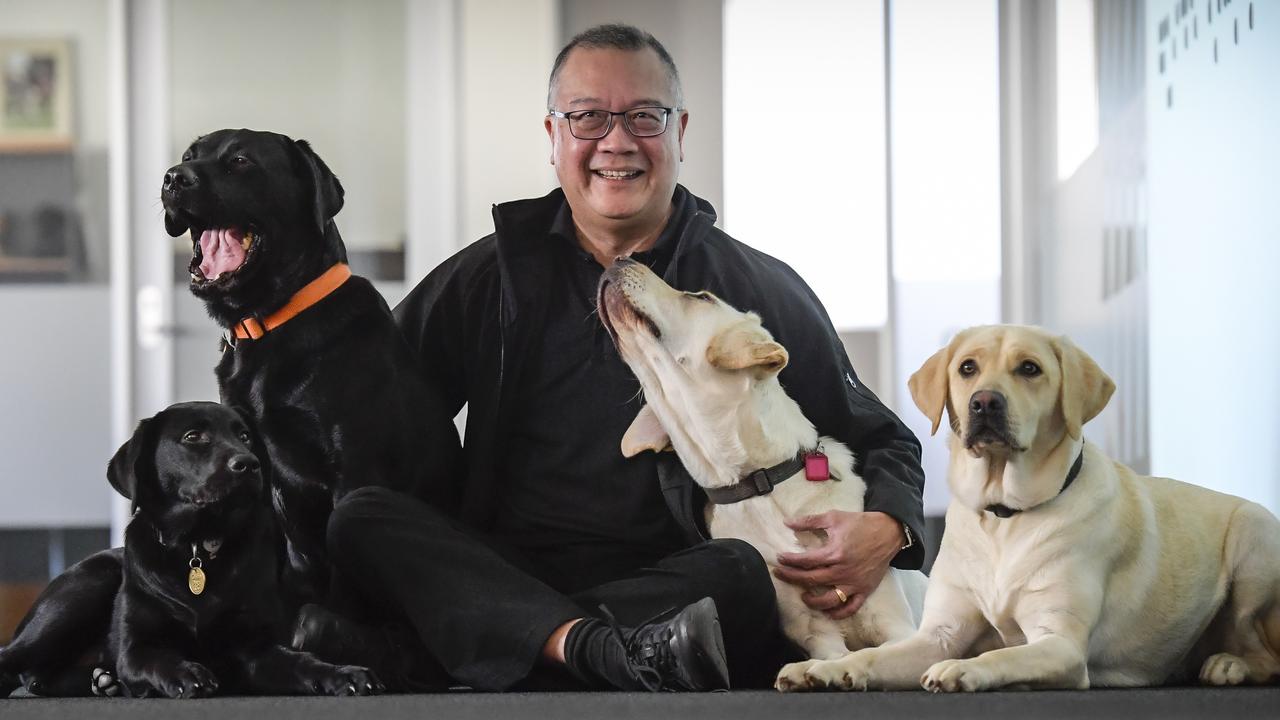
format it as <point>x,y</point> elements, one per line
<point>135,459</point>
<point>1085,389</point>
<point>746,345</point>
<point>645,433</point>
<point>930,385</point>
<point>684,123</point>
<point>328,193</point>
<point>551,135</point>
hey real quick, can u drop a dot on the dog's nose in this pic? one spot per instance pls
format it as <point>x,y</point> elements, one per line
<point>242,463</point>
<point>987,403</point>
<point>179,178</point>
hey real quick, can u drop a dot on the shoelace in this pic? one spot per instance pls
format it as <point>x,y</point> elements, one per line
<point>647,649</point>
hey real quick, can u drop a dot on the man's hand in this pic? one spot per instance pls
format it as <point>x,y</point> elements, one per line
<point>854,559</point>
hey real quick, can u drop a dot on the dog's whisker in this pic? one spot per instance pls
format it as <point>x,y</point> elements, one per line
<point>638,396</point>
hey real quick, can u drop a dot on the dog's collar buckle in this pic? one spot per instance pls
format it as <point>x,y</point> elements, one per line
<point>758,482</point>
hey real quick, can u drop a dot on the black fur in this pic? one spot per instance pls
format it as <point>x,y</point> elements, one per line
<point>198,491</point>
<point>334,391</point>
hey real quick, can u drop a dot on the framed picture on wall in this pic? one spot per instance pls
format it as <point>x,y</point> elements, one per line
<point>35,95</point>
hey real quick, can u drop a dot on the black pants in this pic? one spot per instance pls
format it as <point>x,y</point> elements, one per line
<point>484,616</point>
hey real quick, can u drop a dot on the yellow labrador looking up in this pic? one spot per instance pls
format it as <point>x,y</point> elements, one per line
<point>1059,567</point>
<point>710,379</point>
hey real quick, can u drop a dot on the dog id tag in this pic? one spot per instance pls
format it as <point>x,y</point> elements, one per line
<point>816,468</point>
<point>195,578</point>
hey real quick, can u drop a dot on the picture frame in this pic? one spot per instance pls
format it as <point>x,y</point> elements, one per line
<point>36,106</point>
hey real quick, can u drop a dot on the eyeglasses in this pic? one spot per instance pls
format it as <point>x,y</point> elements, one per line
<point>595,124</point>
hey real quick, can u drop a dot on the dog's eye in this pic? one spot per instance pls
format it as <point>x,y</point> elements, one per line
<point>244,437</point>
<point>194,437</point>
<point>704,295</point>
<point>187,156</point>
<point>968,368</point>
<point>1029,369</point>
<point>240,161</point>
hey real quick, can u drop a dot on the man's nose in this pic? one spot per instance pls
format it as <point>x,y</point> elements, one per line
<point>618,139</point>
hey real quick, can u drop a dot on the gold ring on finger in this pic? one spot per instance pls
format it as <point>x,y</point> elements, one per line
<point>840,594</point>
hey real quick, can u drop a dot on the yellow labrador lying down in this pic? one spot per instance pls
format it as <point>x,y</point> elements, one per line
<point>1059,567</point>
<point>710,379</point>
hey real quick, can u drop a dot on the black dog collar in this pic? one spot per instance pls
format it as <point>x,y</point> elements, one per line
<point>758,482</point>
<point>1004,511</point>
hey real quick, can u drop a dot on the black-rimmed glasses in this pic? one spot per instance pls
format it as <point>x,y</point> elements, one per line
<point>595,124</point>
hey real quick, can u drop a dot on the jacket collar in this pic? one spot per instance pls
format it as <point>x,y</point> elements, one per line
<point>522,228</point>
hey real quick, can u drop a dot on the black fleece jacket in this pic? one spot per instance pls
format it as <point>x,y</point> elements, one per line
<point>470,322</point>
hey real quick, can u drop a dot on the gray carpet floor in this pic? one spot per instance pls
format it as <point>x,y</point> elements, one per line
<point>1162,703</point>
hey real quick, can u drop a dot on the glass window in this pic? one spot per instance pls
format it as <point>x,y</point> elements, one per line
<point>804,145</point>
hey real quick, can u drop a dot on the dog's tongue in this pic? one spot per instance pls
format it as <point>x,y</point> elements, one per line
<point>220,251</point>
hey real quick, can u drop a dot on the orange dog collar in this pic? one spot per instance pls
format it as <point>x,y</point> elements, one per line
<point>251,328</point>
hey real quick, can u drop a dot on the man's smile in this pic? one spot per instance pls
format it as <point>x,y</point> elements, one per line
<point>617,174</point>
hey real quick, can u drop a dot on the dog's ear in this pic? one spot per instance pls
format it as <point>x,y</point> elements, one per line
<point>746,345</point>
<point>135,459</point>
<point>930,385</point>
<point>328,190</point>
<point>645,433</point>
<point>1085,389</point>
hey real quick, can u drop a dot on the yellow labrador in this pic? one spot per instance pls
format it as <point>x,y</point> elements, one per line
<point>1059,567</point>
<point>710,379</point>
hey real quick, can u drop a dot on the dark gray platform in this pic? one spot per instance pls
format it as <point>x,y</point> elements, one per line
<point>1163,703</point>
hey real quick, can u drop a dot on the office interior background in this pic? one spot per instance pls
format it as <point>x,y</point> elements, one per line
<point>1103,168</point>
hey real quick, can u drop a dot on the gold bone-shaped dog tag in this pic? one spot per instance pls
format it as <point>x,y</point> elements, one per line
<point>195,578</point>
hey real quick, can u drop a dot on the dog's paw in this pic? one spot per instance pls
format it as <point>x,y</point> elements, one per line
<point>347,680</point>
<point>187,680</point>
<point>103,683</point>
<point>955,676</point>
<point>1224,669</point>
<point>793,678</point>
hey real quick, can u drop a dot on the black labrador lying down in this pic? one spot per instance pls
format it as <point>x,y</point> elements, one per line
<point>312,353</point>
<point>197,606</point>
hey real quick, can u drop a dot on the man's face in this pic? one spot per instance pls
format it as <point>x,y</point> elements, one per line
<point>642,172</point>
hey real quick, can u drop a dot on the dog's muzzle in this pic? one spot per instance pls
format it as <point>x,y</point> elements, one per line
<point>988,420</point>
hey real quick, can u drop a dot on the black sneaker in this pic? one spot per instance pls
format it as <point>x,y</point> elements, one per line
<point>685,652</point>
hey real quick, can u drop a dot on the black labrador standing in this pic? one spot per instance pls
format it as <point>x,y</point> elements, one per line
<point>312,353</point>
<point>197,606</point>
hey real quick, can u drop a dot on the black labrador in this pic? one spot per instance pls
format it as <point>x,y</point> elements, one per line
<point>192,600</point>
<point>313,355</point>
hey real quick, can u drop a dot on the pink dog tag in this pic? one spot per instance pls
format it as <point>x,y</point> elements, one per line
<point>816,468</point>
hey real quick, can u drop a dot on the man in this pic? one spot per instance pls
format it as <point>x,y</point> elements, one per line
<point>554,534</point>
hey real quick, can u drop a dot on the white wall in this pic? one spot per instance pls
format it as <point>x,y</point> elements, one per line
<point>1214,248</point>
<point>54,406</point>
<point>328,71</point>
<point>505,55</point>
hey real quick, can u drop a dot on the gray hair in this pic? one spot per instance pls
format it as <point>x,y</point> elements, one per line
<point>616,37</point>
